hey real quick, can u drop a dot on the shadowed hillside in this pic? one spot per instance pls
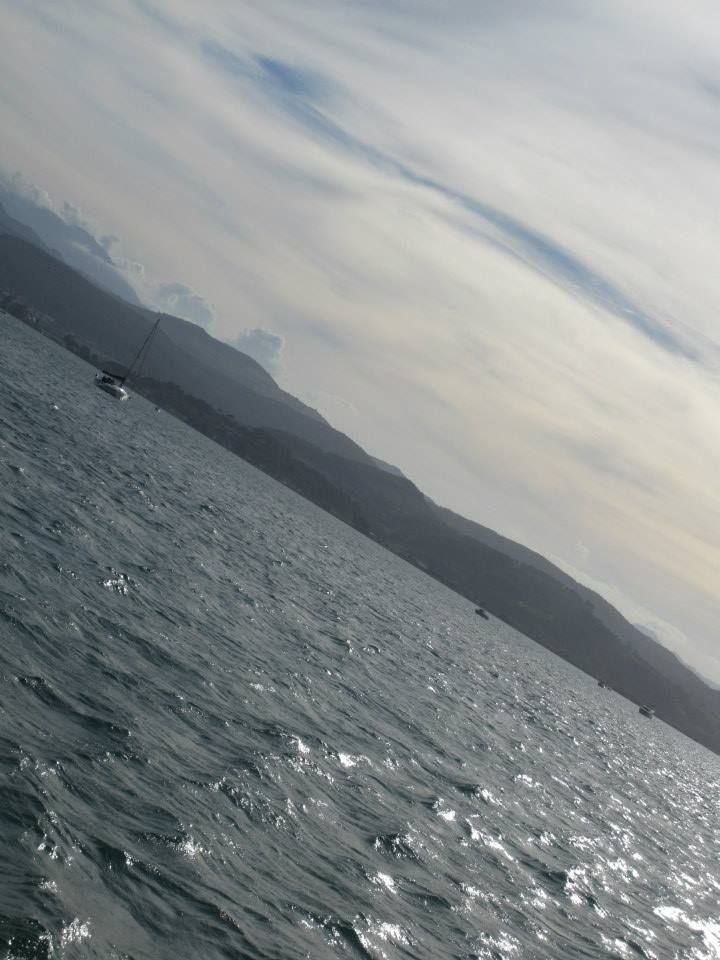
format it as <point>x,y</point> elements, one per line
<point>182,353</point>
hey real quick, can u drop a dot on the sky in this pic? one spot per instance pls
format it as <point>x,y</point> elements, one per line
<point>480,237</point>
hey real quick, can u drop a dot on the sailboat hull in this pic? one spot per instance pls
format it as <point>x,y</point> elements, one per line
<point>114,389</point>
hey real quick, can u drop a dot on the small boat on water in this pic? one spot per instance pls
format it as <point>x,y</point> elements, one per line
<point>601,683</point>
<point>647,711</point>
<point>114,383</point>
<point>482,613</point>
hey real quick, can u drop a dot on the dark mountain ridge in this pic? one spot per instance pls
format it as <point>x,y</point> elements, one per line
<point>69,241</point>
<point>565,617</point>
<point>653,651</point>
<point>183,354</point>
<point>9,225</point>
<point>229,397</point>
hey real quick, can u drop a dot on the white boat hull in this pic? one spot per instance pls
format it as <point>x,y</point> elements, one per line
<point>114,389</point>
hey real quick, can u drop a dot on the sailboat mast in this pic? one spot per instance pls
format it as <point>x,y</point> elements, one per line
<point>145,343</point>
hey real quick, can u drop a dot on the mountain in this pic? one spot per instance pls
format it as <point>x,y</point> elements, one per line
<point>228,396</point>
<point>9,225</point>
<point>182,353</point>
<point>388,467</point>
<point>230,362</point>
<point>639,638</point>
<point>71,242</point>
<point>518,586</point>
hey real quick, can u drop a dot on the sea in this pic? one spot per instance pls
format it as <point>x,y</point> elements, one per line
<point>232,727</point>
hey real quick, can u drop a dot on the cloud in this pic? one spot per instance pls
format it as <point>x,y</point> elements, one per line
<point>292,81</point>
<point>132,267</point>
<point>261,345</point>
<point>73,215</point>
<point>300,92</point>
<point>183,302</point>
<point>108,241</point>
<point>16,183</point>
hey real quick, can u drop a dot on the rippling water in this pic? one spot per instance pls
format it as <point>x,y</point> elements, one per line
<point>232,727</point>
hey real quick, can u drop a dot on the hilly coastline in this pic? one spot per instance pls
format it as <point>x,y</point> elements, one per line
<point>228,396</point>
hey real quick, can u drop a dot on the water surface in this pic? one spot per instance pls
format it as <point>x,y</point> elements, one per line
<point>230,726</point>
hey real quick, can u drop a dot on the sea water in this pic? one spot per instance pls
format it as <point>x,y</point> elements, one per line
<point>230,726</point>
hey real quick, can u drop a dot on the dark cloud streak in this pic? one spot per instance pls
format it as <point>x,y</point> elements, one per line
<point>296,92</point>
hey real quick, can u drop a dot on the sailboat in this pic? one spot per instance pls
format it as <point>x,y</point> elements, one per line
<point>114,383</point>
